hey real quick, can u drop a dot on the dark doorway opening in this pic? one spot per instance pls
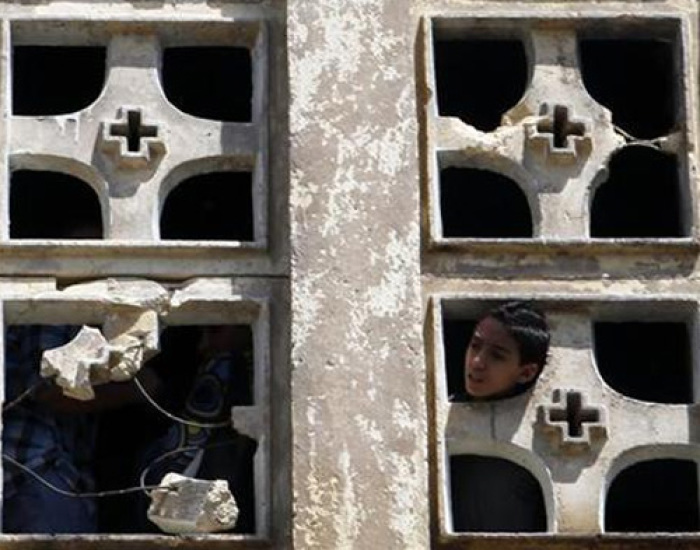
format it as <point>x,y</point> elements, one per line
<point>214,206</point>
<point>641,197</point>
<point>54,80</point>
<point>212,82</point>
<point>478,80</point>
<point>654,496</point>
<point>482,204</point>
<point>647,361</point>
<point>495,495</point>
<point>636,80</point>
<point>53,205</point>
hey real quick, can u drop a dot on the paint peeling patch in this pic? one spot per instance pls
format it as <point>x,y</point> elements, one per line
<point>347,523</point>
<point>342,207</point>
<point>404,417</point>
<point>407,488</point>
<point>369,428</point>
<point>322,490</point>
<point>308,304</point>
<point>390,296</point>
<point>347,39</point>
<point>302,192</point>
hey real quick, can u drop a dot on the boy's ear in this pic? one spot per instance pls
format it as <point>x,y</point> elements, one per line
<point>528,371</point>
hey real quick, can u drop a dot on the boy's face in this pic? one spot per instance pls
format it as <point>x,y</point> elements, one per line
<point>492,363</point>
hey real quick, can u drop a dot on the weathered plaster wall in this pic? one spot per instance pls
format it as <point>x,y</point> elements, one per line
<point>359,456</point>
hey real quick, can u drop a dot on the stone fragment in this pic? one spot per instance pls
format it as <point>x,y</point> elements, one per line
<point>186,505</point>
<point>73,364</point>
<point>133,338</point>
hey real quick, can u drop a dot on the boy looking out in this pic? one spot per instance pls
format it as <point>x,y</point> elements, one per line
<point>505,356</point>
<point>506,353</point>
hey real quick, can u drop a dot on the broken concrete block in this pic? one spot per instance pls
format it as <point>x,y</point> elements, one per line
<point>73,364</point>
<point>133,338</point>
<point>186,505</point>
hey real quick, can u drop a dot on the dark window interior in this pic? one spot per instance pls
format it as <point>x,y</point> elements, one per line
<point>494,495</point>
<point>482,204</point>
<point>209,82</point>
<point>456,336</point>
<point>132,437</point>
<point>641,197</point>
<point>636,80</point>
<point>215,206</point>
<point>654,495</point>
<point>52,205</point>
<point>646,361</point>
<point>54,80</point>
<point>478,80</point>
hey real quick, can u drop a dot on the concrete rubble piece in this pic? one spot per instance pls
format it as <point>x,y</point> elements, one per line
<point>186,505</point>
<point>94,358</point>
<point>73,364</point>
<point>133,338</point>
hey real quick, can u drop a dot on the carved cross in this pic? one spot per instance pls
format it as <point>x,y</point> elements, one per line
<point>560,126</point>
<point>131,142</point>
<point>574,414</point>
<point>133,130</point>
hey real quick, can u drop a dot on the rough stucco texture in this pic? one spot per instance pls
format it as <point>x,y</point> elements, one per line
<point>360,474</point>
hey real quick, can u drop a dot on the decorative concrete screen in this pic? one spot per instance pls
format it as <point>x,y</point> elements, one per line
<point>135,200</point>
<point>560,169</point>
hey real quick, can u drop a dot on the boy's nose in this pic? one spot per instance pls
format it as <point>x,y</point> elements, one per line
<point>478,361</point>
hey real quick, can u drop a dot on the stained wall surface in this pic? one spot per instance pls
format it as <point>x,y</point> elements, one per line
<point>369,184</point>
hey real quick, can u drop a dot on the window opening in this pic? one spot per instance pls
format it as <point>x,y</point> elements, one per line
<point>492,494</point>
<point>53,205</point>
<point>55,80</point>
<point>654,495</point>
<point>215,206</point>
<point>482,204</point>
<point>200,372</point>
<point>635,79</point>
<point>641,197</point>
<point>478,80</point>
<point>209,82</point>
<point>456,336</point>
<point>660,372</point>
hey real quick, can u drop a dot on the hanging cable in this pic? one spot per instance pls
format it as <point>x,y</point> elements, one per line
<point>21,397</point>
<point>63,492</point>
<point>180,420</point>
<point>173,452</point>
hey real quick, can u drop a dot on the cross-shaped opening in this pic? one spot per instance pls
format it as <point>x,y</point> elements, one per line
<point>133,130</point>
<point>561,127</point>
<point>574,414</point>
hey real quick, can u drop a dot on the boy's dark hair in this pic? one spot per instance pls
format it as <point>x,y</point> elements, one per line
<point>528,326</point>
